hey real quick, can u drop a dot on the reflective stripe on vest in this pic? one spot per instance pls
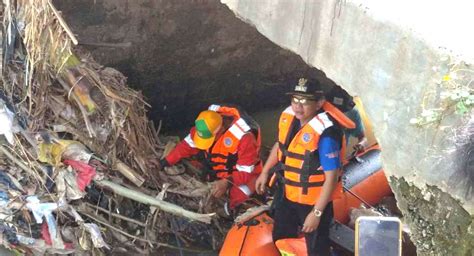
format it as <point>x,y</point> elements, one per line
<point>214,107</point>
<point>190,141</point>
<point>303,176</point>
<point>245,168</point>
<point>245,189</point>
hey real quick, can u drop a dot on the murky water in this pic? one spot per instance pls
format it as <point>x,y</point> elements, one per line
<point>268,121</point>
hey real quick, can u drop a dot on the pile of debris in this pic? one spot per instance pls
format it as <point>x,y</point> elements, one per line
<point>74,147</point>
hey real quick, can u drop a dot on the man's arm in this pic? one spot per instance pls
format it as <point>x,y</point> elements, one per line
<point>358,131</point>
<point>247,158</point>
<point>327,190</point>
<point>329,150</point>
<point>272,160</point>
<point>184,149</point>
<point>329,155</point>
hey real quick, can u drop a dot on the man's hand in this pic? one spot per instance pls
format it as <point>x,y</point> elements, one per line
<point>261,182</point>
<point>359,147</point>
<point>311,223</point>
<point>219,188</point>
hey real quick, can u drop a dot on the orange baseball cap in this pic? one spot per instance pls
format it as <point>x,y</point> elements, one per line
<point>207,125</point>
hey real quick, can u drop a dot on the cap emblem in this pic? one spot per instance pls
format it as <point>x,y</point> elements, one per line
<point>301,87</point>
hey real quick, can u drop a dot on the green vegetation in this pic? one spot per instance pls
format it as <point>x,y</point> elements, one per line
<point>453,94</point>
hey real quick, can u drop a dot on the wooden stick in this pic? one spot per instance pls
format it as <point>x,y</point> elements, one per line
<point>162,205</point>
<point>91,131</point>
<point>139,238</point>
<point>63,23</point>
<point>115,215</point>
<point>114,228</point>
<point>156,132</point>
<point>4,151</point>
<point>129,173</point>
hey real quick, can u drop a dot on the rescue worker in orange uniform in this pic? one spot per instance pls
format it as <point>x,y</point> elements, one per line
<point>310,141</point>
<point>230,140</point>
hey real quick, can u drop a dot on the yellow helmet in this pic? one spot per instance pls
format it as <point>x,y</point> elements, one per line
<point>207,125</point>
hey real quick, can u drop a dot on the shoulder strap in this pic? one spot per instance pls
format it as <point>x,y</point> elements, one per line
<point>320,122</point>
<point>340,117</point>
<point>245,121</point>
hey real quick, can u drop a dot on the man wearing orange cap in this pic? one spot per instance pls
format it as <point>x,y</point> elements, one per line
<point>230,140</point>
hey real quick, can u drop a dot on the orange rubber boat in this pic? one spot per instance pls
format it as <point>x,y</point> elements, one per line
<point>364,183</point>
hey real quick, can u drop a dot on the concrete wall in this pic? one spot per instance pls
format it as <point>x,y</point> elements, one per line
<point>387,54</point>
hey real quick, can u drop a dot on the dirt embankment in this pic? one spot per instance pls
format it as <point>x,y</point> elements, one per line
<point>186,55</point>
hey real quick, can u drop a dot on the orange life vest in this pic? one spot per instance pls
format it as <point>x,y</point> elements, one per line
<point>303,175</point>
<point>222,156</point>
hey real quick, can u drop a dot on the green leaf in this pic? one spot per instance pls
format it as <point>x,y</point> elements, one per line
<point>461,108</point>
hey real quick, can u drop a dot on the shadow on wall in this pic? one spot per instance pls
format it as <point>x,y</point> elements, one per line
<point>464,178</point>
<point>186,55</point>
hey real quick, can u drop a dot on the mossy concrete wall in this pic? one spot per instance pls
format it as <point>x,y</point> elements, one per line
<point>439,223</point>
<point>390,56</point>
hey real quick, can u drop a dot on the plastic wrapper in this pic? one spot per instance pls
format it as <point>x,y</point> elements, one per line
<point>96,236</point>
<point>85,173</point>
<point>9,234</point>
<point>5,211</point>
<point>77,152</point>
<point>41,210</point>
<point>6,181</point>
<point>54,152</point>
<point>48,239</point>
<point>6,122</point>
<point>40,248</point>
<point>82,89</point>
<point>66,185</point>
